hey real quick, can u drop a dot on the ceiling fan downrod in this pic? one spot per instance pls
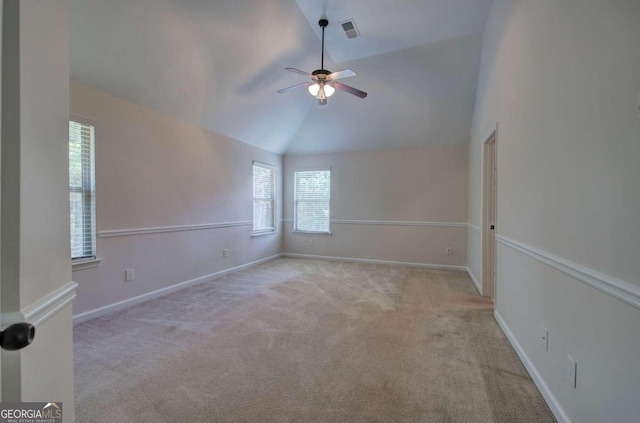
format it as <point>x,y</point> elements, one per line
<point>323,24</point>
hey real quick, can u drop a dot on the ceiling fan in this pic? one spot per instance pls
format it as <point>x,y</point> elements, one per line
<point>323,82</point>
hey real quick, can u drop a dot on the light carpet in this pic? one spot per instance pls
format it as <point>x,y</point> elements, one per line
<point>306,341</point>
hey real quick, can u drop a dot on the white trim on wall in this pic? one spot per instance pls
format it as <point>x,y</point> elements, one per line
<point>548,396</point>
<point>43,309</point>
<point>40,311</point>
<point>85,264</point>
<point>474,228</point>
<point>165,229</point>
<point>474,280</point>
<point>398,223</point>
<point>111,308</point>
<point>392,223</point>
<point>372,261</point>
<point>621,290</point>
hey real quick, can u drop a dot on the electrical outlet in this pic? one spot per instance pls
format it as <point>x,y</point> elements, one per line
<point>128,275</point>
<point>545,338</point>
<point>449,251</point>
<point>572,369</point>
<point>311,243</point>
<point>225,253</point>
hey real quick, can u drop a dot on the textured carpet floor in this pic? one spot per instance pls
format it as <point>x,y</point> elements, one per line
<point>306,341</point>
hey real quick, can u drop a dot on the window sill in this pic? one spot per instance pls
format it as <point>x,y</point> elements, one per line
<point>85,264</point>
<point>258,235</point>
<point>312,233</point>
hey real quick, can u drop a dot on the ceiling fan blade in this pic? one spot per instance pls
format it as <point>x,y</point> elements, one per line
<point>294,70</point>
<point>293,87</point>
<point>341,74</point>
<point>350,90</point>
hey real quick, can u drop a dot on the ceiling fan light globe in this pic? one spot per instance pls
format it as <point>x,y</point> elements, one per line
<point>314,89</point>
<point>329,90</point>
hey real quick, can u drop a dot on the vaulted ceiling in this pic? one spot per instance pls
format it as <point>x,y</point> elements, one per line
<point>218,65</point>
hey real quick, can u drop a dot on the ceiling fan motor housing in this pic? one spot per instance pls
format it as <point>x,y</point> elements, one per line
<point>321,74</point>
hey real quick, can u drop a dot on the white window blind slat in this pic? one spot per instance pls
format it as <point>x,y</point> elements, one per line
<point>82,190</point>
<point>264,198</point>
<point>312,197</point>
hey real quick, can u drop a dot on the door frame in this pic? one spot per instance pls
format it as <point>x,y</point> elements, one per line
<point>489,214</point>
<point>35,276</point>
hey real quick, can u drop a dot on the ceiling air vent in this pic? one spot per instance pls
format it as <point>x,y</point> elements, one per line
<point>350,29</point>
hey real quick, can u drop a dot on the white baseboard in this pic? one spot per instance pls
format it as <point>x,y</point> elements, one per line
<point>92,314</point>
<point>548,396</point>
<point>474,280</point>
<point>372,261</point>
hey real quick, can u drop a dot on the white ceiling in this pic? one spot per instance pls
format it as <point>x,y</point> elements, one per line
<point>219,64</point>
<point>392,25</point>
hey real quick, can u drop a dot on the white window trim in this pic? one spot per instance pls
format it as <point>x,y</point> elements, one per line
<point>263,232</point>
<point>82,263</point>
<point>295,231</point>
<point>295,207</point>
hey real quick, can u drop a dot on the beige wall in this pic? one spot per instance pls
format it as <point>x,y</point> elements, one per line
<point>153,171</point>
<point>562,79</point>
<point>415,186</point>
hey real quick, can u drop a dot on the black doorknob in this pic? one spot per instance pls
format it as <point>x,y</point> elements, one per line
<point>17,336</point>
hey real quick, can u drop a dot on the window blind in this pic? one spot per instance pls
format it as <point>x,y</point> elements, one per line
<point>312,201</point>
<point>264,198</point>
<point>82,190</point>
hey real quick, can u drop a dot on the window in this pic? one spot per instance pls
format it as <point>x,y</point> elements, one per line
<point>312,201</point>
<point>264,199</point>
<point>82,195</point>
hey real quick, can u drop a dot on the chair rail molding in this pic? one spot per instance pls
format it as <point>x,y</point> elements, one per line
<point>391,223</point>
<point>43,309</point>
<point>398,223</point>
<point>166,229</point>
<point>474,228</point>
<point>621,290</point>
